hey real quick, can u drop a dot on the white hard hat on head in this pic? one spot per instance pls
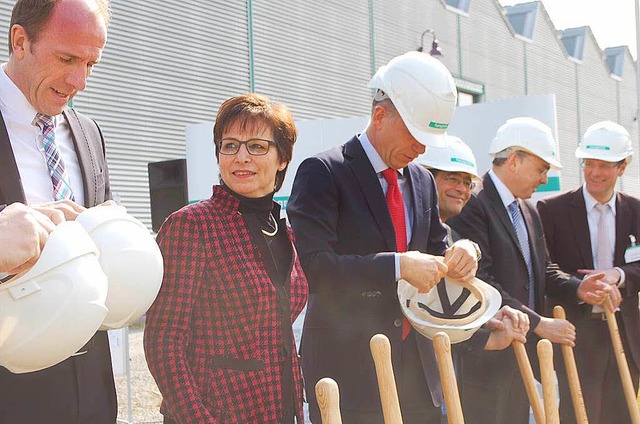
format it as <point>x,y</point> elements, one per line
<point>605,141</point>
<point>422,90</point>
<point>131,260</point>
<point>456,156</point>
<point>48,313</point>
<point>456,308</point>
<point>529,135</point>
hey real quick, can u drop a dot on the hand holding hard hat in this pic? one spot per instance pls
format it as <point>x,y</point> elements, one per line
<point>48,313</point>
<point>421,270</point>
<point>462,260</point>
<point>102,271</point>
<point>23,234</point>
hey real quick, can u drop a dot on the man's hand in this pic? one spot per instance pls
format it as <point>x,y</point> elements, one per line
<point>519,320</point>
<point>421,270</point>
<point>23,234</point>
<point>501,339</point>
<point>462,260</point>
<point>70,209</point>
<point>594,289</point>
<point>610,276</point>
<point>556,331</point>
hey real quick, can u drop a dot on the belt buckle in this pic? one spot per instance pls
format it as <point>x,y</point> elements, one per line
<point>599,315</point>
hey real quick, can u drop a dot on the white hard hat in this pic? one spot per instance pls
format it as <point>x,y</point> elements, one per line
<point>605,141</point>
<point>456,308</point>
<point>48,313</point>
<point>456,156</point>
<point>422,90</point>
<point>526,134</point>
<point>131,259</point>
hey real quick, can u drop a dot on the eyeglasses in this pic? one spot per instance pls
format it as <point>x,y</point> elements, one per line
<point>541,166</point>
<point>600,166</point>
<point>255,146</point>
<point>457,180</point>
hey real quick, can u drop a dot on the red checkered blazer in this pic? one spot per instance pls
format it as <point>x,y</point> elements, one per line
<point>214,336</point>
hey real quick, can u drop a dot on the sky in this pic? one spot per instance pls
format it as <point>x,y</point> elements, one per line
<point>612,21</point>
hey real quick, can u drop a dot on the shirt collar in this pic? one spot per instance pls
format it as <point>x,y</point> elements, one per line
<point>590,201</point>
<point>372,154</point>
<point>13,103</point>
<point>505,194</point>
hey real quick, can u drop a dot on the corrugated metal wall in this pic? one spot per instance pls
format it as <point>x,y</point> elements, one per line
<point>168,64</point>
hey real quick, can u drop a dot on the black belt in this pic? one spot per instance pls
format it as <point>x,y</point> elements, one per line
<point>599,315</point>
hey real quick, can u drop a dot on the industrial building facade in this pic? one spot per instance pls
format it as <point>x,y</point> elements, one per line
<point>172,63</point>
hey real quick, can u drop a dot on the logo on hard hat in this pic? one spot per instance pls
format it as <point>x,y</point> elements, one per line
<point>438,125</point>
<point>462,161</point>
<point>595,147</point>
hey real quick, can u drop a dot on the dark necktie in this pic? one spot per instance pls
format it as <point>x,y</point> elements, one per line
<point>57,171</point>
<point>396,210</point>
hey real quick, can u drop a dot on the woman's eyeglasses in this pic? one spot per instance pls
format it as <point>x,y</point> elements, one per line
<point>255,146</point>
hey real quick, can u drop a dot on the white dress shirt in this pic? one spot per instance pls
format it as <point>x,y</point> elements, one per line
<point>18,116</point>
<point>610,222</point>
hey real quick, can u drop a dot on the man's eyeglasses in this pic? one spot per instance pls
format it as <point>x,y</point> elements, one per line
<point>601,165</point>
<point>255,146</point>
<point>457,180</point>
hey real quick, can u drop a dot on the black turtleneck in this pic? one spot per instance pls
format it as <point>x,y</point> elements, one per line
<point>262,216</point>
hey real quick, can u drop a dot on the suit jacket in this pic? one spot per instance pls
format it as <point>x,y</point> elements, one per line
<point>486,221</point>
<point>218,337</point>
<point>347,242</point>
<point>80,389</point>
<point>564,218</point>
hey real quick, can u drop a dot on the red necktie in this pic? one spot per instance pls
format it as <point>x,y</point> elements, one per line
<point>396,210</point>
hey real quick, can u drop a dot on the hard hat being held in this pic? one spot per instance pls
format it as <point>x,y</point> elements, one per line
<point>529,135</point>
<point>131,260</point>
<point>423,92</point>
<point>605,141</point>
<point>456,156</point>
<point>459,309</point>
<point>48,313</point>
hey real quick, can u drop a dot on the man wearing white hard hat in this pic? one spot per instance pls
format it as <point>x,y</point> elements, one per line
<point>508,230</point>
<point>365,217</point>
<point>594,227</point>
<point>455,172</point>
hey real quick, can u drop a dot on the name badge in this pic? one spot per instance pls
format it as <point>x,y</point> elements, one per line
<point>632,253</point>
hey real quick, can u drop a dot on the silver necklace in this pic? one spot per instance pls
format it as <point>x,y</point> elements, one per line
<point>272,223</point>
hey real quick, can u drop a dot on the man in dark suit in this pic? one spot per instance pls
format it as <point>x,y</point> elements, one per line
<point>355,246</point>
<point>589,229</point>
<point>50,154</point>
<point>514,259</point>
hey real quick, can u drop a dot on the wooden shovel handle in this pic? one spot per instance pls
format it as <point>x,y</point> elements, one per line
<point>572,374</point>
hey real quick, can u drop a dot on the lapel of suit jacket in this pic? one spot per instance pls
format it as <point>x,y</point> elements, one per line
<point>499,209</point>
<point>580,227</point>
<point>83,150</point>
<point>370,186</point>
<point>537,252</point>
<point>623,229</point>
<point>419,229</point>
<point>10,183</point>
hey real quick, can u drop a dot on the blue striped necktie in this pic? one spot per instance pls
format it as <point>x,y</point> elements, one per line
<point>57,171</point>
<point>523,239</point>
